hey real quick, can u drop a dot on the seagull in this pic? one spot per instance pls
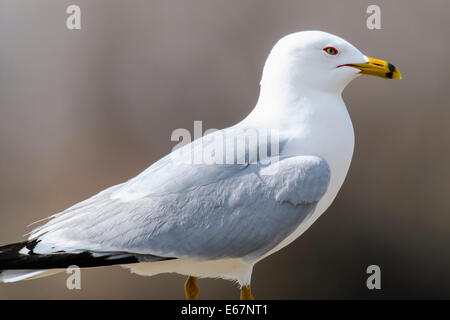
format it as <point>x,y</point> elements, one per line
<point>215,207</point>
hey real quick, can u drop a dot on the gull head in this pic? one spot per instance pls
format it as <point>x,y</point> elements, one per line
<point>320,61</point>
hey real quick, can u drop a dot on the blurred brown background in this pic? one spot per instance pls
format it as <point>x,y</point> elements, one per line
<point>83,110</point>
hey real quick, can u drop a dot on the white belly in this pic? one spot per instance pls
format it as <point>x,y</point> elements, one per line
<point>229,269</point>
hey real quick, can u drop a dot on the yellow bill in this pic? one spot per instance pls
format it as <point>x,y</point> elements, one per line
<point>379,68</point>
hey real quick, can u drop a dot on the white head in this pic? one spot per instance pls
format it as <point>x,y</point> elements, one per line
<point>320,61</point>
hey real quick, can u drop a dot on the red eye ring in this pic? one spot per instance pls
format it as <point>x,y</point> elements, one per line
<point>331,50</point>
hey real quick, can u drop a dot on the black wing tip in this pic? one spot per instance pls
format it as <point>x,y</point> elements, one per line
<point>12,259</point>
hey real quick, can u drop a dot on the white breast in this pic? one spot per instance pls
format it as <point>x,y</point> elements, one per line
<point>323,129</point>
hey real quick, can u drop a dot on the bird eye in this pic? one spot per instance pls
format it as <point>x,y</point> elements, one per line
<point>330,50</point>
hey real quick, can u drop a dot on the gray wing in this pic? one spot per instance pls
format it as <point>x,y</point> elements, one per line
<point>237,211</point>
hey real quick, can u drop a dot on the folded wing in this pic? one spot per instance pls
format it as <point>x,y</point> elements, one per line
<point>241,214</point>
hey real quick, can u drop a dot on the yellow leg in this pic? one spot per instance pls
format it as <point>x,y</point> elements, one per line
<point>246,293</point>
<point>191,288</point>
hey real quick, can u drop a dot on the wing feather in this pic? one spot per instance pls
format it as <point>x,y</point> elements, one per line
<point>184,209</point>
